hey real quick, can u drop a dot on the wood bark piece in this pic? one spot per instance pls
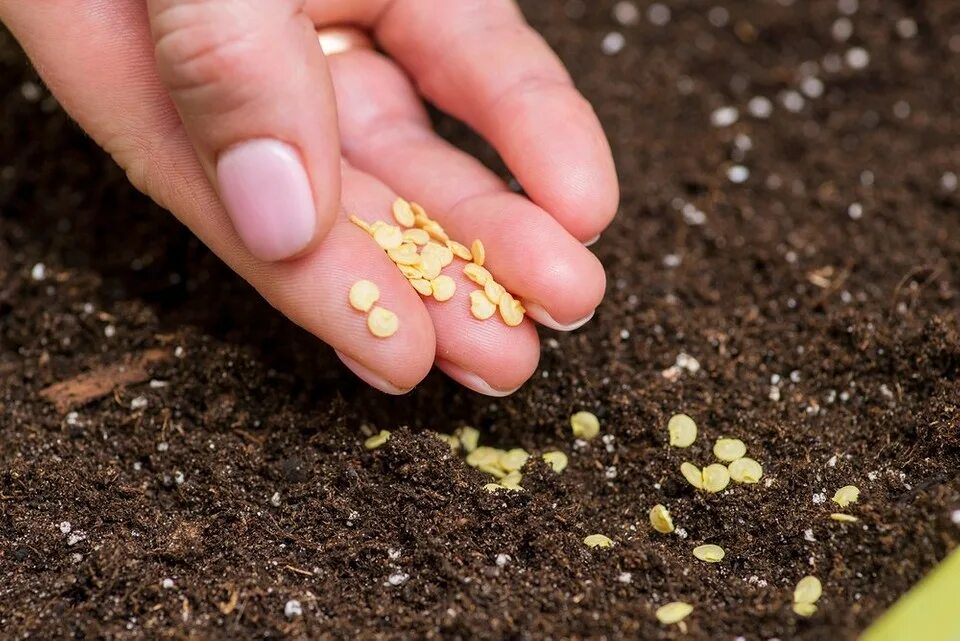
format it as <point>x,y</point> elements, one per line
<point>99,382</point>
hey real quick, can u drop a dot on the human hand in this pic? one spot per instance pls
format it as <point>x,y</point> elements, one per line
<point>227,113</point>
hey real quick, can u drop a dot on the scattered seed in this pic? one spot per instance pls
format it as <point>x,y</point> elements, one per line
<point>556,459</point>
<point>416,236</point>
<point>513,460</point>
<point>377,440</point>
<point>674,612</point>
<point>660,519</point>
<point>430,265</point>
<point>423,286</point>
<point>405,254</point>
<point>709,553</point>
<point>493,487</point>
<point>363,294</point>
<point>598,541</point>
<point>693,474</point>
<point>493,469</point>
<point>476,273</point>
<point>403,213</point>
<point>484,455</point>
<point>382,323</point>
<point>478,251</point>
<point>846,495</point>
<point>443,287</point>
<point>745,470</point>
<point>460,250</point>
<point>469,437</point>
<point>844,518</point>
<point>804,609</point>
<point>682,429</point>
<point>494,291</point>
<point>450,440</point>
<point>511,310</point>
<point>512,481</point>
<point>808,590</point>
<point>716,477</point>
<point>480,305</point>
<point>729,449</point>
<point>585,425</point>
<point>441,252</point>
<point>410,271</point>
<point>387,236</point>
<point>362,224</point>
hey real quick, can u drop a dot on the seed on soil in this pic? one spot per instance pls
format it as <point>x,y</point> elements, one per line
<point>480,305</point>
<point>512,481</point>
<point>808,590</point>
<point>484,455</point>
<point>450,440</point>
<point>682,429</point>
<point>493,487</point>
<point>716,477</point>
<point>388,236</point>
<point>476,273</point>
<point>674,612</point>
<point>382,323</point>
<point>585,425</point>
<point>846,495</point>
<point>443,288</point>
<point>598,541</point>
<point>478,251</point>
<point>745,470</point>
<point>363,294</point>
<point>660,519</point>
<point>709,553</point>
<point>693,474</point>
<point>460,250</point>
<point>513,460</point>
<point>804,609</point>
<point>469,437</point>
<point>377,440</point>
<point>556,459</point>
<point>844,518</point>
<point>403,213</point>
<point>729,449</point>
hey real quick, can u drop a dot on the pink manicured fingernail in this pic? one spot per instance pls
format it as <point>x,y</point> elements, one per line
<point>471,380</point>
<point>370,378</point>
<point>539,314</point>
<point>266,191</point>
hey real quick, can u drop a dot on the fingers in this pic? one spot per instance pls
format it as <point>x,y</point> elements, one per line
<point>252,88</point>
<point>386,133</point>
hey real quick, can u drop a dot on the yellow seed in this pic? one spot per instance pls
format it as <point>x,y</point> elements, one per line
<point>405,254</point>
<point>442,253</point>
<point>423,286</point>
<point>493,469</point>
<point>598,541</point>
<point>403,213</point>
<point>388,236</point>
<point>745,470</point>
<point>493,487</point>
<point>494,291</point>
<point>804,609</point>
<point>382,323</point>
<point>585,425</point>
<point>363,294</point>
<point>460,250</point>
<point>556,459</point>
<point>660,519</point>
<point>410,271</point>
<point>514,459</point>
<point>511,310</point>
<point>844,518</point>
<point>430,266</point>
<point>416,236</point>
<point>512,481</point>
<point>808,590</point>
<point>716,477</point>
<point>483,455</point>
<point>362,224</point>
<point>468,436</point>
<point>674,612</point>
<point>419,213</point>
<point>450,440</point>
<point>846,495</point>
<point>436,232</point>
<point>476,273</point>
<point>443,287</point>
<point>729,449</point>
<point>377,440</point>
<point>480,305</point>
<point>709,553</point>
<point>478,251</point>
<point>682,429</point>
<point>693,474</point>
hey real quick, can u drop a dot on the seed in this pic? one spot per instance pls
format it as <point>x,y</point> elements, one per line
<point>511,310</point>
<point>362,224</point>
<point>494,291</point>
<point>388,236</point>
<point>585,425</point>
<point>660,519</point>
<point>416,236</point>
<point>450,440</point>
<point>423,286</point>
<point>460,250</point>
<point>709,553</point>
<point>716,477</point>
<point>443,253</point>
<point>556,459</point>
<point>382,323</point>
<point>430,265</point>
<point>436,232</point>
<point>804,609</point>
<point>514,459</point>
<point>846,495</point>
<point>468,436</point>
<point>410,271</point>
<point>693,474</point>
<point>512,481</point>
<point>729,449</point>
<point>683,430</point>
<point>363,294</point>
<point>403,213</point>
<point>377,440</point>
<point>745,470</point>
<point>480,305</point>
<point>674,612</point>
<point>493,487</point>
<point>405,254</point>
<point>483,455</point>
<point>844,518</point>
<point>598,541</point>
<point>476,273</point>
<point>808,590</point>
<point>443,287</point>
<point>419,213</point>
<point>493,469</point>
<point>478,251</point>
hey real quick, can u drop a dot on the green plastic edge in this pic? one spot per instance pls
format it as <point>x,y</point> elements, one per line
<point>928,612</point>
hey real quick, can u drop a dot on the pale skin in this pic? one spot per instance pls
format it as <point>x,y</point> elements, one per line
<point>167,87</point>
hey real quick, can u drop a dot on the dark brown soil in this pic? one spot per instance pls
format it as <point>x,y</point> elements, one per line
<point>244,482</point>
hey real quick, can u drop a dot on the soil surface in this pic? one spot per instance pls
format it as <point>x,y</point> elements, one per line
<point>221,474</point>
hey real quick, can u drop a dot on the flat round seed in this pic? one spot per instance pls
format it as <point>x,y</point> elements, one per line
<point>362,224</point>
<point>494,291</point>
<point>674,612</point>
<point>450,440</point>
<point>556,459</point>
<point>442,252</point>
<point>729,449</point>
<point>423,286</point>
<point>405,254</point>
<point>585,425</point>
<point>844,518</point>
<point>484,455</point>
<point>478,251</point>
<point>388,236</point>
<point>682,429</point>
<point>416,236</point>
<point>709,553</point>
<point>363,294</point>
<point>808,590</point>
<point>419,213</point>
<point>493,487</point>
<point>382,323</point>
<point>512,480</point>
<point>410,271</point>
<point>436,232</point>
<point>511,310</point>
<point>846,495</point>
<point>693,474</point>
<point>477,274</point>
<point>460,250</point>
<point>513,460</point>
<point>716,477</point>
<point>469,437</point>
<point>597,541</point>
<point>430,266</point>
<point>804,609</point>
<point>745,470</point>
<point>443,287</point>
<point>403,213</point>
<point>493,469</point>
<point>377,440</point>
<point>660,519</point>
<point>480,305</point>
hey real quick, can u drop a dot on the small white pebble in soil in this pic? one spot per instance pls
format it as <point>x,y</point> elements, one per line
<point>502,560</point>
<point>718,16</point>
<point>812,87</point>
<point>901,109</point>
<point>624,334</point>
<point>906,27</point>
<point>179,352</point>
<point>819,498</point>
<point>109,331</point>
<point>848,7</point>
<point>955,517</point>
<point>397,578</point>
<point>65,527</point>
<point>393,554</point>
<point>792,100</point>
<point>613,43</point>
<point>178,477</point>
<point>842,29</point>
<point>139,403</point>
<point>855,211</point>
<point>75,538</point>
<point>626,13</point>
<point>163,446</point>
<point>671,261</point>
<point>30,91</point>
<point>738,174</point>
<point>39,272</point>
<point>167,584</point>
<point>724,116</point>
<point>857,58</point>
<point>292,609</point>
<point>949,181</point>
<point>658,14</point>
<point>155,384</point>
<point>760,107</point>
<point>808,535</point>
<point>610,473</point>
<point>275,499</point>
<point>627,577</point>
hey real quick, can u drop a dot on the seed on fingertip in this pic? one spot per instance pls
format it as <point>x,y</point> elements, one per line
<point>416,236</point>
<point>430,266</point>
<point>405,254</point>
<point>460,250</point>
<point>422,285</point>
<point>478,251</point>
<point>494,291</point>
<point>443,288</point>
<point>382,323</point>
<point>403,213</point>
<point>410,271</point>
<point>480,305</point>
<point>477,274</point>
<point>363,295</point>
<point>511,310</point>
<point>362,224</point>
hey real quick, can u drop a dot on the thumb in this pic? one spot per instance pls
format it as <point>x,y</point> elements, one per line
<point>253,91</point>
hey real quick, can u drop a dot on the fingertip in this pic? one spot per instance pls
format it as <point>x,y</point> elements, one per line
<point>371,378</point>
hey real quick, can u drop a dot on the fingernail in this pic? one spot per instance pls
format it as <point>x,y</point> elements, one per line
<point>267,194</point>
<point>593,240</point>
<point>370,378</point>
<point>471,380</point>
<point>539,314</point>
